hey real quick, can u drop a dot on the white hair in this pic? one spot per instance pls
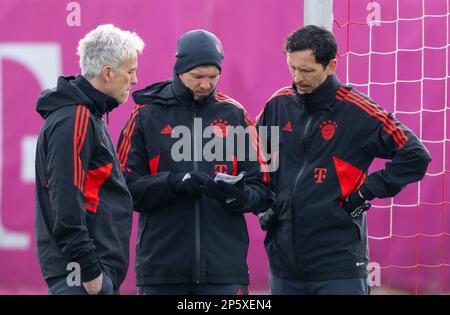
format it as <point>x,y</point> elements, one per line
<point>107,45</point>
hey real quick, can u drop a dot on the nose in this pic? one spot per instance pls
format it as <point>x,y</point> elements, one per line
<point>298,78</point>
<point>134,79</point>
<point>205,84</point>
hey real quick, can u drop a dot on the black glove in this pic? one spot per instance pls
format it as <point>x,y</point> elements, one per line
<point>355,204</point>
<point>191,184</point>
<point>267,219</point>
<point>232,196</point>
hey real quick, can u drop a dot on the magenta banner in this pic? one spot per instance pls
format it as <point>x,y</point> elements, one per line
<point>402,63</point>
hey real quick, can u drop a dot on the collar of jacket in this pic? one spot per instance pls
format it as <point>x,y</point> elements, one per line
<point>185,96</point>
<point>324,96</point>
<point>102,103</point>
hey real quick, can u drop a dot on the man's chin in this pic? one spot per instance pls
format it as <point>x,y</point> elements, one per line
<point>198,95</point>
<point>124,98</point>
<point>303,90</point>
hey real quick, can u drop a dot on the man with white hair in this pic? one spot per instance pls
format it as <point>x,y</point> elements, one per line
<point>83,206</point>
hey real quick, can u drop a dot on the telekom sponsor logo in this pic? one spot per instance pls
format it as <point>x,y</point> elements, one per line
<point>44,62</point>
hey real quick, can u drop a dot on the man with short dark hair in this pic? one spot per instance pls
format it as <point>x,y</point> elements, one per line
<point>330,134</point>
<point>192,236</point>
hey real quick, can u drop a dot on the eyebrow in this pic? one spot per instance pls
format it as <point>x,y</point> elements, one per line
<point>196,75</point>
<point>205,75</point>
<point>302,68</point>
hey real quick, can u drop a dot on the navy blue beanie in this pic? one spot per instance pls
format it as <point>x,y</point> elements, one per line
<point>198,48</point>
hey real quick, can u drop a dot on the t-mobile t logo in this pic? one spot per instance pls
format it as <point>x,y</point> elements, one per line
<point>320,174</point>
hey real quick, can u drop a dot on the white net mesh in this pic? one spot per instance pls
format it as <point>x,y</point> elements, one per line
<point>396,51</point>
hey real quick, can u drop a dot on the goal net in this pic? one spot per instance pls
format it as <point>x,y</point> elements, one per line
<point>396,51</point>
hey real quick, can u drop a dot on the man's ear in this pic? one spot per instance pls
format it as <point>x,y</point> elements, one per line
<point>106,73</point>
<point>331,66</point>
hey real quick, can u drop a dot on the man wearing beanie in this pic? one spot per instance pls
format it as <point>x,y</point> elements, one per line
<point>192,236</point>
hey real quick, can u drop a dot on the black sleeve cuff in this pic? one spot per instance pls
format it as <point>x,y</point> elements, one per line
<point>366,193</point>
<point>90,267</point>
<point>174,181</point>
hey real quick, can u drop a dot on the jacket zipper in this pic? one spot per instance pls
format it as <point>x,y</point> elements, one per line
<point>197,276</point>
<point>291,208</point>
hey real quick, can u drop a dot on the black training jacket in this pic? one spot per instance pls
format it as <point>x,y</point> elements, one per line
<point>83,206</point>
<point>180,239</point>
<point>328,139</point>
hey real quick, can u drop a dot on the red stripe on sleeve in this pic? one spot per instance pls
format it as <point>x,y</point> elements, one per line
<point>75,150</point>
<point>389,122</point>
<point>79,135</point>
<point>389,126</point>
<point>125,145</point>
<point>254,138</point>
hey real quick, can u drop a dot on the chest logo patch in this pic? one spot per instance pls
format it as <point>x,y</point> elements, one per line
<point>328,129</point>
<point>288,127</point>
<point>320,174</point>
<point>220,127</point>
<point>167,130</point>
<point>220,168</point>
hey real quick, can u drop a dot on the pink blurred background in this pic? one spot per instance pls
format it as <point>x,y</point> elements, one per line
<point>409,234</point>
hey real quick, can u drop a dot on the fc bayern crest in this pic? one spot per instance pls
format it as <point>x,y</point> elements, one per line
<point>220,127</point>
<point>219,48</point>
<point>328,129</point>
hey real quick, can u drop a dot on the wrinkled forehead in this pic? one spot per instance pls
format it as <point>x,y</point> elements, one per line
<point>205,70</point>
<point>302,58</point>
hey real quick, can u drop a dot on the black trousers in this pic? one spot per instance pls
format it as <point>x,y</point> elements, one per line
<point>194,289</point>
<point>355,286</point>
<point>62,288</point>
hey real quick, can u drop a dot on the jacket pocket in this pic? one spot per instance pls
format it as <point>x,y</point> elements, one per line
<point>347,221</point>
<point>359,228</point>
